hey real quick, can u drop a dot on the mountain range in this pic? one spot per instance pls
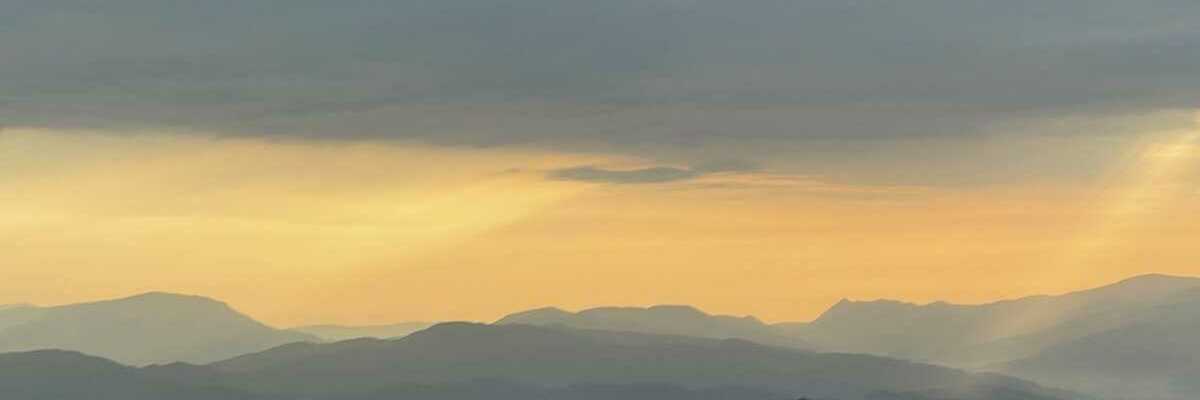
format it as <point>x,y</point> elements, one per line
<point>1135,339</point>
<point>1108,340</point>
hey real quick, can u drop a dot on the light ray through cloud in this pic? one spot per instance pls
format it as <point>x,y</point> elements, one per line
<point>1153,180</point>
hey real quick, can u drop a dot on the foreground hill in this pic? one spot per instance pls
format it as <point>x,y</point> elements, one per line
<point>143,329</point>
<point>337,333</point>
<point>63,375</point>
<point>557,357</point>
<point>667,320</point>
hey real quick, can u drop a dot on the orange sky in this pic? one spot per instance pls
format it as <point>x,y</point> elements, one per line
<point>296,232</point>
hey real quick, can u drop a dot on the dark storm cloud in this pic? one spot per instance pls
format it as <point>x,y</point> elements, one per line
<point>631,76</point>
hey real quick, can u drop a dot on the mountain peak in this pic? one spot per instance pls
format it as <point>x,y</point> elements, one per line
<point>678,309</point>
<point>882,305</point>
<point>536,316</point>
<point>165,302</point>
<point>157,296</point>
<point>1159,279</point>
<point>1151,285</point>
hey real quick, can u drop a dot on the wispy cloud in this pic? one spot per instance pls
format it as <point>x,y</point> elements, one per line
<point>659,174</point>
<point>590,173</point>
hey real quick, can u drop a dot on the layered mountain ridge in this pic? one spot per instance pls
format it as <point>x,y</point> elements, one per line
<point>1125,340</point>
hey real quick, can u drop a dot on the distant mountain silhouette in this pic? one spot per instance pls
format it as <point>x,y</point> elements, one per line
<point>143,329</point>
<point>560,357</point>
<point>980,335</point>
<point>335,333</point>
<point>665,319</point>
<point>1136,337</point>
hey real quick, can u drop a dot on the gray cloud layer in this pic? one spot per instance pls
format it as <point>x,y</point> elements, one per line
<point>656,77</point>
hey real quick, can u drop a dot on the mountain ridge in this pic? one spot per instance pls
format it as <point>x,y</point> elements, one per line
<point>1043,338</point>
<point>147,328</point>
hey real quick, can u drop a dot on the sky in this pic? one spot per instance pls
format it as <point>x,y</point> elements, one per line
<point>370,161</point>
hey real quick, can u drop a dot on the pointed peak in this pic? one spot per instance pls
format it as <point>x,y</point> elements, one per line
<point>846,302</point>
<point>864,308</point>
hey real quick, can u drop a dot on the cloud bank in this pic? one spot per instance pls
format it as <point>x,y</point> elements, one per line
<point>678,80</point>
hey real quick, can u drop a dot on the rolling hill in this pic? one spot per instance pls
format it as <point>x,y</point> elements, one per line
<point>65,375</point>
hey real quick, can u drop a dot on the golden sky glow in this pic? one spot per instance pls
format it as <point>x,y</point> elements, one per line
<point>297,232</point>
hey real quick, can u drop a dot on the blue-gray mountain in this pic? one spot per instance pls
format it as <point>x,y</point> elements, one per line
<point>144,329</point>
<point>668,320</point>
